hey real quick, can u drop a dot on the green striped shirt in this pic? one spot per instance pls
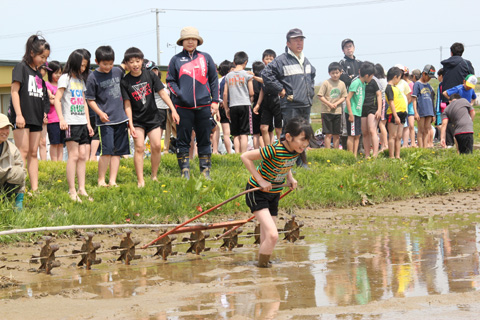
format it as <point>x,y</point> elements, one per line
<point>276,163</point>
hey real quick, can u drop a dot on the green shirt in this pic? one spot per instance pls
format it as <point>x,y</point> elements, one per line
<point>358,87</point>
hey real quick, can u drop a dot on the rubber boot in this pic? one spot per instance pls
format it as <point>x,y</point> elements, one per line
<point>184,164</point>
<point>205,163</point>
<point>263,261</point>
<point>19,202</point>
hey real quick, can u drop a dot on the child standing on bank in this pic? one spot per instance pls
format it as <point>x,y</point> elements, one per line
<point>144,120</point>
<point>353,110</point>
<point>223,69</point>
<point>461,114</point>
<point>422,97</point>
<point>371,114</point>
<point>396,113</point>
<point>277,161</point>
<point>332,94</point>
<point>105,98</point>
<point>257,68</point>
<point>237,100</point>
<point>72,111</point>
<point>29,104</point>
<point>55,135</point>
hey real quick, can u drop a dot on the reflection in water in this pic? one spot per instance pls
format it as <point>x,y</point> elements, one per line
<point>334,270</point>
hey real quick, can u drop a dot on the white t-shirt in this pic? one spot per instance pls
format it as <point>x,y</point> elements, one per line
<point>73,100</point>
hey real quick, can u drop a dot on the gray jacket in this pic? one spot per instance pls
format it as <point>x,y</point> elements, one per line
<point>285,72</point>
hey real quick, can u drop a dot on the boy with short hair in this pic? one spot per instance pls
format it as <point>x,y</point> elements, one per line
<point>465,90</point>
<point>332,94</point>
<point>12,172</point>
<point>461,113</point>
<point>141,109</point>
<point>353,110</point>
<point>396,113</point>
<point>422,97</point>
<point>237,99</point>
<point>104,97</point>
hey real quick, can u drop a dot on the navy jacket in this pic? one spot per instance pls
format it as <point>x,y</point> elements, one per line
<point>455,70</point>
<point>192,80</point>
<point>285,72</point>
<point>351,69</point>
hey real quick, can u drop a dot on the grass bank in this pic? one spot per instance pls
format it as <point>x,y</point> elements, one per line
<point>336,179</point>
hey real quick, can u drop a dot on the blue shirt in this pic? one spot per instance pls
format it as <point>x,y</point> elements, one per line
<point>423,92</point>
<point>464,93</point>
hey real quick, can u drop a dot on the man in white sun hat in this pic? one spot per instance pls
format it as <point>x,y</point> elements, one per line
<point>12,173</point>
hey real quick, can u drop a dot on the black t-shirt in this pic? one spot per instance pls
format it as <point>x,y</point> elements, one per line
<point>140,91</point>
<point>34,101</point>
<point>371,89</point>
<point>257,86</point>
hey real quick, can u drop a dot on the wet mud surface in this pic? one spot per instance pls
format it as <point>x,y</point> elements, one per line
<point>400,260</point>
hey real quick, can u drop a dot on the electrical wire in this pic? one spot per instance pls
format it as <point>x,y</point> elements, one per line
<point>327,6</point>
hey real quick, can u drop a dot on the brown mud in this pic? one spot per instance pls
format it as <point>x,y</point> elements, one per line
<point>400,260</point>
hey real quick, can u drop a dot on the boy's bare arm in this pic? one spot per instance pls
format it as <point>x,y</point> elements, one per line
<point>128,111</point>
<point>443,132</point>
<point>225,101</point>
<point>326,102</point>
<point>103,116</point>
<point>445,94</point>
<point>472,114</point>
<point>259,102</point>
<point>349,106</point>
<point>258,79</point>
<point>378,114</point>
<point>251,92</point>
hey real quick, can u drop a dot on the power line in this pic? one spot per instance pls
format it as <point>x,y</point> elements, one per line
<point>338,5</point>
<point>82,25</point>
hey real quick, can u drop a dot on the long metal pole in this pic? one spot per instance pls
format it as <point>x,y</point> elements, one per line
<point>158,36</point>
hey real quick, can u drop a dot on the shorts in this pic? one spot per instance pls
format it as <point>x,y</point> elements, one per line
<point>55,135</point>
<point>354,128</point>
<point>147,126</point>
<point>223,116</point>
<point>114,140</point>
<point>410,110</point>
<point>401,115</point>
<point>465,142</point>
<point>94,126</point>
<point>240,120</point>
<point>162,114</point>
<point>258,200</point>
<point>366,110</point>
<point>31,127</point>
<point>331,123</point>
<point>77,133</point>
<point>271,112</point>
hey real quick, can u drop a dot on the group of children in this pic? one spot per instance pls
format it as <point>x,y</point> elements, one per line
<point>245,109</point>
<point>383,109</point>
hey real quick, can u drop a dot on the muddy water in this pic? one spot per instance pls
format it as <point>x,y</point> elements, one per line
<point>355,263</point>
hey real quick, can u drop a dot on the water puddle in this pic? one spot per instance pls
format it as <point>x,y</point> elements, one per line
<point>375,261</point>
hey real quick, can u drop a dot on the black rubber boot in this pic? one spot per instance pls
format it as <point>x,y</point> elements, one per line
<point>184,164</point>
<point>205,163</point>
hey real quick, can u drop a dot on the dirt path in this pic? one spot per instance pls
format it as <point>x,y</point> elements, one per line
<point>189,287</point>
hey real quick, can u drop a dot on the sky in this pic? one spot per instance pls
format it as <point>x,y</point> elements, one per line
<point>409,32</point>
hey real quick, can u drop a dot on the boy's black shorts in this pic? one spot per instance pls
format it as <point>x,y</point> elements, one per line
<point>331,123</point>
<point>55,135</point>
<point>162,114</point>
<point>465,142</point>
<point>240,120</point>
<point>114,140</point>
<point>258,200</point>
<point>223,116</point>
<point>96,132</point>
<point>77,133</point>
<point>354,128</point>
<point>401,115</point>
<point>366,110</point>
<point>256,122</point>
<point>271,112</point>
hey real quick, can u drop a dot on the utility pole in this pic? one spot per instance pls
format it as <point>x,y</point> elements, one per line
<point>441,48</point>
<point>157,11</point>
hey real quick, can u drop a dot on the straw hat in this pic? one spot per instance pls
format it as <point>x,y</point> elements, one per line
<point>187,33</point>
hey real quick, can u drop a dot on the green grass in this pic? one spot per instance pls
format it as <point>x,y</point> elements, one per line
<point>336,179</point>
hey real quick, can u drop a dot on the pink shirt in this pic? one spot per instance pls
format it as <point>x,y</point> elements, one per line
<point>52,114</point>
